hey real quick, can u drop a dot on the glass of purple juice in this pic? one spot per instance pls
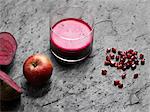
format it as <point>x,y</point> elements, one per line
<point>71,34</point>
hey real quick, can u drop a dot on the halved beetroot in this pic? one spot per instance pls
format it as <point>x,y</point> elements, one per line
<point>9,90</point>
<point>8,47</point>
<point>4,77</point>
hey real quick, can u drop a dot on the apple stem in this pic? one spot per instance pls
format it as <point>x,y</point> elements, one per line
<point>34,64</point>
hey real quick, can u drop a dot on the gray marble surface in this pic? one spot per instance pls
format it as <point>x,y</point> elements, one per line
<point>122,24</point>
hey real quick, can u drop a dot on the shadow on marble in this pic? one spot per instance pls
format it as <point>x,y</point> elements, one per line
<point>36,92</point>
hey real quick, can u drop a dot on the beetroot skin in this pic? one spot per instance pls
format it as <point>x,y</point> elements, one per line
<point>8,47</point>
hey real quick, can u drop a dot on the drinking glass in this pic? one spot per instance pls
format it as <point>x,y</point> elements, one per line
<point>71,34</point>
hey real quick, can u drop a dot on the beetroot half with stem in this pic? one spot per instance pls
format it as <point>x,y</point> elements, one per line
<point>8,47</point>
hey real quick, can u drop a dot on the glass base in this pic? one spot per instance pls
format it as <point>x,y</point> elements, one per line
<point>69,61</point>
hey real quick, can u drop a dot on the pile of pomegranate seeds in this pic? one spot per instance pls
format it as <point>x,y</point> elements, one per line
<point>123,60</point>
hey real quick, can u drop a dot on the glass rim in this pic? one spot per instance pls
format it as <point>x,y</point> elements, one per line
<point>81,37</point>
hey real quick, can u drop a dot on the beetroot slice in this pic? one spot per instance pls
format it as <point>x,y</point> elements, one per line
<point>8,47</point>
<point>4,77</point>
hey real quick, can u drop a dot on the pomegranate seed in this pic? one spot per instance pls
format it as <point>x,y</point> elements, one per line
<point>125,52</point>
<point>136,62</point>
<point>128,65</point>
<point>141,56</point>
<point>122,54</point>
<point>126,61</point>
<point>123,76</point>
<point>133,58</point>
<point>106,63</point>
<point>136,56</point>
<point>116,64</point>
<point>117,58</point>
<point>124,57</point>
<point>135,53</point>
<point>133,67</point>
<point>120,86</point>
<point>112,56</point>
<point>119,52</point>
<point>130,51</point>
<point>104,72</point>
<point>125,64</point>
<point>122,60</point>
<point>129,56</point>
<point>124,68</point>
<point>135,76</point>
<point>142,61</point>
<point>116,82</point>
<point>130,62</point>
<point>114,50</point>
<point>119,66</point>
<point>112,64</point>
<point>107,58</point>
<point>108,50</point>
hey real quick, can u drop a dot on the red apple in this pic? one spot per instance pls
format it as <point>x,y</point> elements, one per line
<point>37,69</point>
